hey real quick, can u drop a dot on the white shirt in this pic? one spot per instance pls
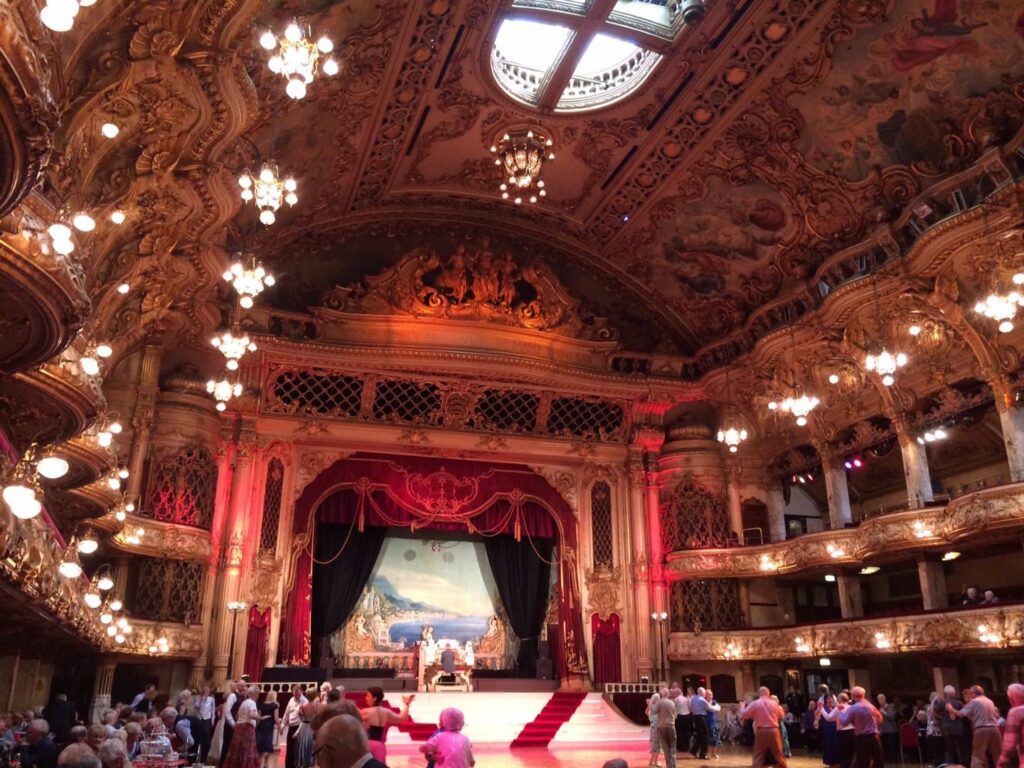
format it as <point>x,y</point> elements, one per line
<point>292,716</point>
<point>248,712</point>
<point>229,704</point>
<point>682,704</point>
<point>207,707</point>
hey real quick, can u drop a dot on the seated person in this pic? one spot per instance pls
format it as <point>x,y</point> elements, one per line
<point>448,659</point>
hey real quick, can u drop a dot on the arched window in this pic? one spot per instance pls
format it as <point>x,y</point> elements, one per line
<point>601,522</point>
<point>272,494</point>
<point>182,485</point>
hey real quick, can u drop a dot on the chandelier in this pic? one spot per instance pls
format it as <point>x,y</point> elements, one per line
<point>1002,308</point>
<point>521,156</point>
<point>885,364</point>
<point>233,347</point>
<point>296,57</point>
<point>248,281</point>
<point>268,191</point>
<point>59,15</point>
<point>732,437</point>
<point>800,407</point>
<point>223,391</point>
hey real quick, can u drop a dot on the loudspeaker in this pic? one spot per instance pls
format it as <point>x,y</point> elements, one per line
<point>544,669</point>
<point>692,11</point>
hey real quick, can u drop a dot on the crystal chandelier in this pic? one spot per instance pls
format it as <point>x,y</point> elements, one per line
<point>521,156</point>
<point>268,191</point>
<point>233,347</point>
<point>732,437</point>
<point>295,58</point>
<point>59,15</point>
<point>1002,308</point>
<point>223,391</point>
<point>885,364</point>
<point>248,281</point>
<point>799,407</point>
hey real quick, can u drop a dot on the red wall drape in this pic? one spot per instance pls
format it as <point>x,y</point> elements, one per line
<point>434,494</point>
<point>607,649</point>
<point>256,643</point>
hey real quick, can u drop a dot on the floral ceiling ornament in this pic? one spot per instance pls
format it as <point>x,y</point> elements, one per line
<point>521,155</point>
<point>296,57</point>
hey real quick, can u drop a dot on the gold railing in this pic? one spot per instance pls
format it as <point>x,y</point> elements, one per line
<point>982,512</point>
<point>965,629</point>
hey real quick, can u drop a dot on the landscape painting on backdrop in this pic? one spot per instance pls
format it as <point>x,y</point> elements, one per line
<point>422,586</point>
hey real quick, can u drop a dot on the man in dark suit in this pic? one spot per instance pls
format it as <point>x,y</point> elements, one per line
<point>341,743</point>
<point>448,661</point>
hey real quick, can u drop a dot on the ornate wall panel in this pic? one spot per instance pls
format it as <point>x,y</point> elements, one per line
<point>181,487</point>
<point>601,523</point>
<point>705,604</point>
<point>272,497</point>
<point>694,517</point>
<point>166,590</point>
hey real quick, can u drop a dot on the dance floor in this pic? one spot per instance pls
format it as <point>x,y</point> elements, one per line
<point>590,756</point>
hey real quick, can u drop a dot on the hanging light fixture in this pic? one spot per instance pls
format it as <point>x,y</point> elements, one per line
<point>249,279</point>
<point>59,15</point>
<point>295,57</point>
<point>731,435</point>
<point>884,363</point>
<point>60,238</point>
<point>52,467</point>
<point>268,191</point>
<point>223,391</point>
<point>88,542</point>
<point>92,597</point>
<point>521,156</point>
<point>21,490</point>
<point>1002,307</point>
<point>798,404</point>
<point>104,580</point>
<point>70,566</point>
<point>233,347</point>
<point>115,603</point>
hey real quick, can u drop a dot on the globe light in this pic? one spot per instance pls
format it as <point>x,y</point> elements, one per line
<point>70,567</point>
<point>52,467</point>
<point>90,366</point>
<point>292,33</point>
<point>116,604</point>
<point>268,41</point>
<point>20,497</point>
<point>109,130</point>
<point>123,288</point>
<point>93,599</point>
<point>296,88</point>
<point>83,222</point>
<point>88,543</point>
<point>105,583</point>
<point>104,350</point>
<point>330,67</point>
<point>118,217</point>
<point>267,217</point>
<point>64,247</point>
<point>325,44</point>
<point>59,231</point>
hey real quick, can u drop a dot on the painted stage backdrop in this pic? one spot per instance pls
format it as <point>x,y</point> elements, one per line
<point>421,583</point>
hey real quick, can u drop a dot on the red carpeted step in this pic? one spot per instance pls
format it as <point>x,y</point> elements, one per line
<point>545,725</point>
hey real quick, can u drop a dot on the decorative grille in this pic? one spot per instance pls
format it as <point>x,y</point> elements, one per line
<point>407,401</point>
<point>456,405</point>
<point>593,420</point>
<point>712,604</point>
<point>507,411</point>
<point>182,487</point>
<point>317,394</point>
<point>694,518</point>
<point>601,522</point>
<point>272,493</point>
<point>167,590</point>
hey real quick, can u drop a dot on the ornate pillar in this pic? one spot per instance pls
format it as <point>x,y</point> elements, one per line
<point>839,512</point>
<point>655,543</point>
<point>933,584</point>
<point>851,600</point>
<point>732,486</point>
<point>1011,420</point>
<point>641,570</point>
<point>142,419</point>
<point>776,512</point>
<point>915,466</point>
<point>748,683</point>
<point>102,686</point>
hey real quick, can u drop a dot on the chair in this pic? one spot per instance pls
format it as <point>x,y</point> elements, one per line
<point>910,740</point>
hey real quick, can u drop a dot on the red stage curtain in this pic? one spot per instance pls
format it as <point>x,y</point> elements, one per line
<point>256,643</point>
<point>435,494</point>
<point>607,650</point>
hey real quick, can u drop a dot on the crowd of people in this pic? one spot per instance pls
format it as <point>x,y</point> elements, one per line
<point>319,727</point>
<point>847,729</point>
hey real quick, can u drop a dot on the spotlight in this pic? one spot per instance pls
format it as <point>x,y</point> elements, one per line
<point>825,662</point>
<point>830,578</point>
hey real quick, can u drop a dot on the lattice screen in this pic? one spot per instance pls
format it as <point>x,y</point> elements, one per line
<point>507,411</point>
<point>601,522</point>
<point>711,604</point>
<point>694,518</point>
<point>182,486</point>
<point>167,590</point>
<point>272,494</point>
<point>407,401</point>
<point>317,394</point>
<point>584,418</point>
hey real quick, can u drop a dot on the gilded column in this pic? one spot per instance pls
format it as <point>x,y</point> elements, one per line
<point>933,583</point>
<point>1011,419</point>
<point>641,570</point>
<point>776,512</point>
<point>142,418</point>
<point>851,599</point>
<point>655,543</point>
<point>732,487</point>
<point>838,493</point>
<point>915,466</point>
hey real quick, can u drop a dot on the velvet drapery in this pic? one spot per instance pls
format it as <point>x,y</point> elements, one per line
<point>428,493</point>
<point>522,573</point>
<point>344,562</point>
<point>607,649</point>
<point>256,643</point>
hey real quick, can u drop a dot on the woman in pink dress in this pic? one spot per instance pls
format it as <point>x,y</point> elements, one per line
<point>449,748</point>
